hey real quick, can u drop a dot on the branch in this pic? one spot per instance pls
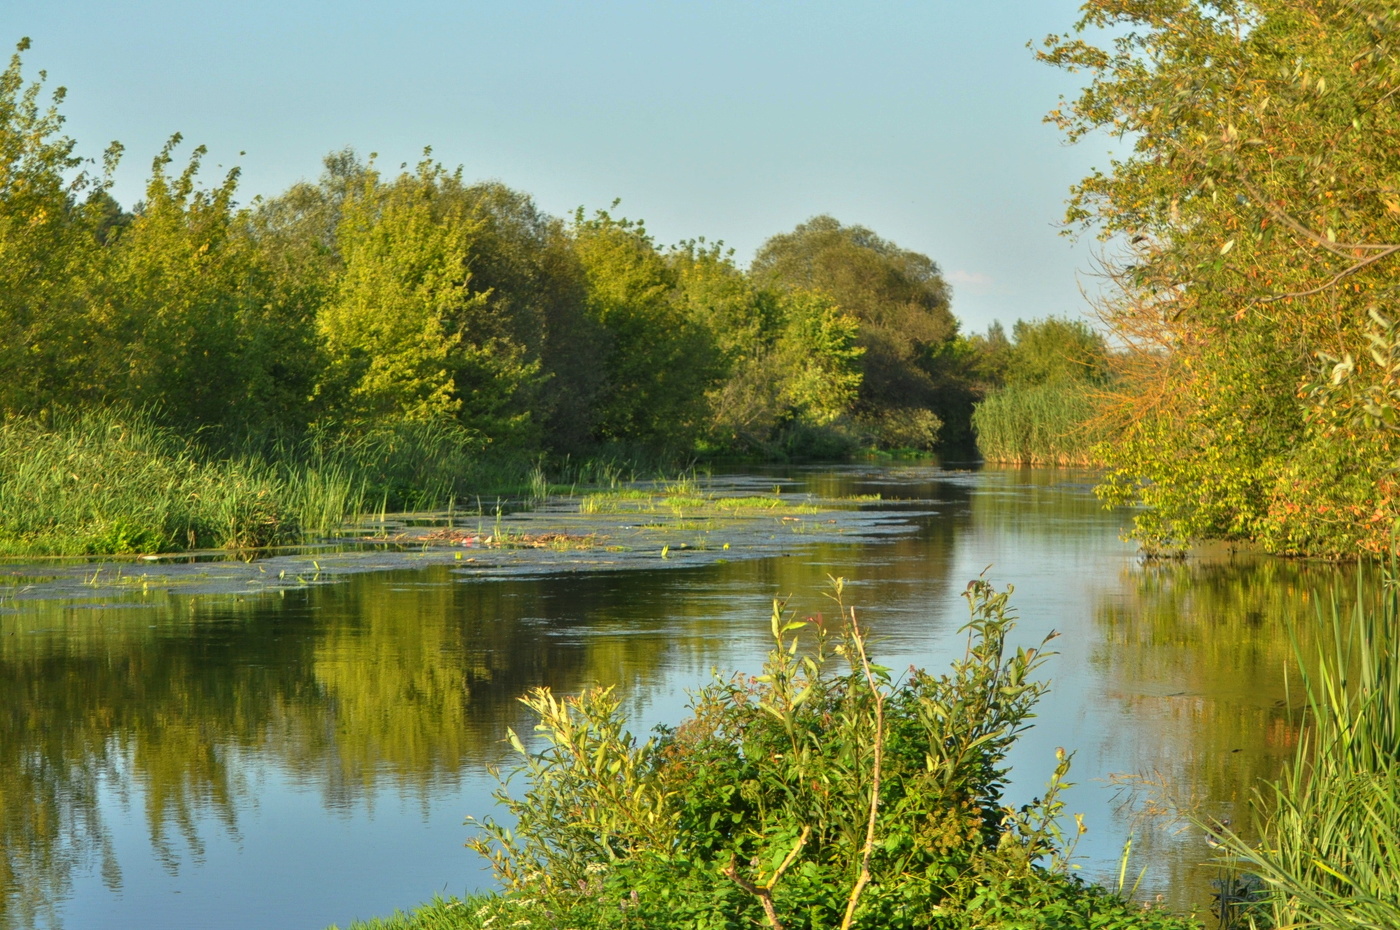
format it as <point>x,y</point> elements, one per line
<point>863,878</point>
<point>1389,250</point>
<point>764,893</point>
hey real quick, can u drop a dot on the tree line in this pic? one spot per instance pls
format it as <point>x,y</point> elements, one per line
<point>373,297</point>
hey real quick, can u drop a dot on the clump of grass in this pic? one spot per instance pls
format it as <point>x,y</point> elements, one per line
<point>1331,823</point>
<point>1043,424</point>
<point>107,481</point>
<point>110,481</point>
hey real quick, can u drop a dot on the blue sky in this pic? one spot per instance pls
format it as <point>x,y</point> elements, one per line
<point>728,120</point>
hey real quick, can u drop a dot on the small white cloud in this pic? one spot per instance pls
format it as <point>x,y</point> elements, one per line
<point>971,279</point>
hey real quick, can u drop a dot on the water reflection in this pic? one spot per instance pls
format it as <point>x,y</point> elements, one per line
<point>1198,654</point>
<point>261,742</point>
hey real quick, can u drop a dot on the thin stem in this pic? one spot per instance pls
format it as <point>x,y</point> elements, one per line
<point>863,878</point>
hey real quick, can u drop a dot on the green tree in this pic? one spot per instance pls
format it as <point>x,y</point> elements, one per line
<point>1255,218</point>
<point>901,302</point>
<point>791,359</point>
<point>47,247</point>
<point>405,335</point>
<point>176,301</point>
<point>525,263</point>
<point>1055,350</point>
<point>658,362</point>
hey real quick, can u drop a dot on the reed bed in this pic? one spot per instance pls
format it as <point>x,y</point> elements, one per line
<point>1331,835</point>
<point>1043,424</point>
<point>109,481</point>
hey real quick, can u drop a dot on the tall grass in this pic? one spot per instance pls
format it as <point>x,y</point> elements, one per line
<point>112,481</point>
<point>1330,855</point>
<point>109,481</point>
<point>1043,424</point>
<point>106,481</point>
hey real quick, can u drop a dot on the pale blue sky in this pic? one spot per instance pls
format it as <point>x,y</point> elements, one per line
<point>730,120</point>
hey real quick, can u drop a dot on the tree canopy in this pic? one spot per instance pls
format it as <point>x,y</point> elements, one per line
<point>1250,230</point>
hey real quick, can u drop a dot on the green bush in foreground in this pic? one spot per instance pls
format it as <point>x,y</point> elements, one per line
<point>824,792</point>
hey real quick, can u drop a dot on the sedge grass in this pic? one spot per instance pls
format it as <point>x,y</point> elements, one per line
<point>110,481</point>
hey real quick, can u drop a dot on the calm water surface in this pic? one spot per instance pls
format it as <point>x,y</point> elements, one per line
<point>305,754</point>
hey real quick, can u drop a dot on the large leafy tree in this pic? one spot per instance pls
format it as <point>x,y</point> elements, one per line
<point>658,362</point>
<point>177,302</point>
<point>406,333</point>
<point>791,362</point>
<point>901,302</point>
<point>47,246</point>
<point>1253,222</point>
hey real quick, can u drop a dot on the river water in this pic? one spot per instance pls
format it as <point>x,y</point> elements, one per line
<point>295,741</point>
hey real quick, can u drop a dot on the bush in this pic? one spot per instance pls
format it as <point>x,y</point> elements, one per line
<point>823,792</point>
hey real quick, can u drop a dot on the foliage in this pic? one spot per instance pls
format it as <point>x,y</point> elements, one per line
<point>792,358</point>
<point>658,362</point>
<point>414,310</point>
<point>107,483</point>
<point>1330,825</point>
<point>822,792</point>
<point>1046,410</point>
<point>1056,351</point>
<point>46,243</point>
<point>898,297</point>
<point>1253,223</point>
<point>405,334</point>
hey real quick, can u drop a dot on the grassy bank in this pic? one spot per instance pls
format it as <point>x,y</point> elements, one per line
<point>825,792</point>
<point>109,481</point>
<point>1043,424</point>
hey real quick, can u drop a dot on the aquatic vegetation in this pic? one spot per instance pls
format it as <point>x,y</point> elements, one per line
<point>1330,824</point>
<point>1041,424</point>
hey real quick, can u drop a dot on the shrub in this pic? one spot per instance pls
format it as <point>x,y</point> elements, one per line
<point>823,792</point>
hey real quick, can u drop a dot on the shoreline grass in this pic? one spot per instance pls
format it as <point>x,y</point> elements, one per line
<point>1330,824</point>
<point>1043,424</point>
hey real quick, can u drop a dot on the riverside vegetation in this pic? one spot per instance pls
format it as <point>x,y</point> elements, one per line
<point>826,791</point>
<point>193,372</point>
<point>392,338</point>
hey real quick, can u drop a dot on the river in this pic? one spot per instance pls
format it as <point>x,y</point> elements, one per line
<point>294,740</point>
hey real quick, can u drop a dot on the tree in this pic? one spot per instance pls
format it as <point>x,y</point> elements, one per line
<point>1055,350</point>
<point>47,246</point>
<point>658,362</point>
<point>405,335</point>
<point>901,302</point>
<point>175,303</point>
<point>1254,221</point>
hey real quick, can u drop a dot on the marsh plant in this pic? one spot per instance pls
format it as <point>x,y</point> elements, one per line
<point>826,791</point>
<point>1330,824</point>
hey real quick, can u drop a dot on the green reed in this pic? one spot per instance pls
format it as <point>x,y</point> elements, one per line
<point>107,481</point>
<point>1044,424</point>
<point>112,481</point>
<point>1332,832</point>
